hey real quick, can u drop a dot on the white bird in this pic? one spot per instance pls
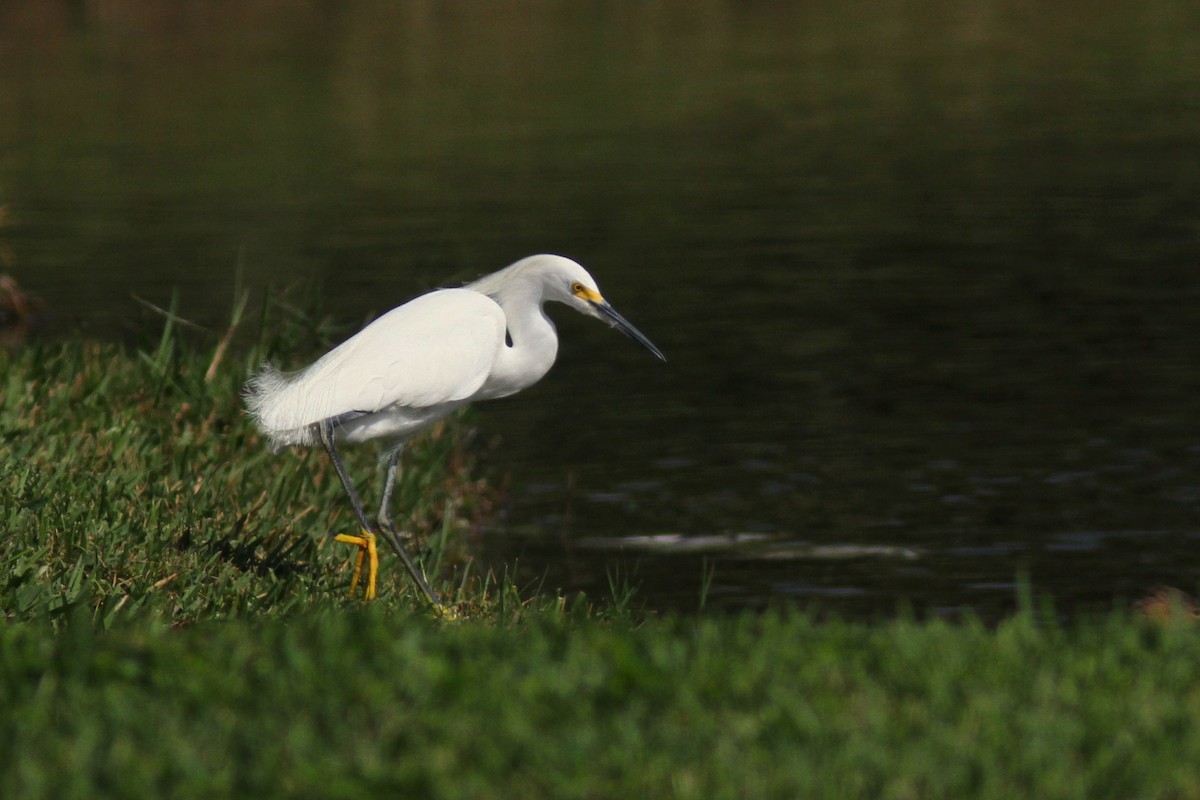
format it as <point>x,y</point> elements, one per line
<point>419,362</point>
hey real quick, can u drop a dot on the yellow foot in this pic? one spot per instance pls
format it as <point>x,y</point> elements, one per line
<point>365,542</point>
<point>445,612</point>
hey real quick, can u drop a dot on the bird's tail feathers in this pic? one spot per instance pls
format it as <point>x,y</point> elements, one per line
<point>263,394</point>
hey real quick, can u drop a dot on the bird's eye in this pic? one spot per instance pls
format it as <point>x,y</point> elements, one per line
<point>577,288</point>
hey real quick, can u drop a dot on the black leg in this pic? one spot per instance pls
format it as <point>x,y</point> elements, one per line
<point>391,460</point>
<point>326,429</point>
<point>326,432</point>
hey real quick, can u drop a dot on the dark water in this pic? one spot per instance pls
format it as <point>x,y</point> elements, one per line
<point>928,274</point>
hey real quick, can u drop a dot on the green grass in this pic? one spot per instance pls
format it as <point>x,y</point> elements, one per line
<point>135,481</point>
<point>354,702</point>
<point>175,625</point>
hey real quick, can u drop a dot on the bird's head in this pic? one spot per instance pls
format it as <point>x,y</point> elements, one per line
<point>569,283</point>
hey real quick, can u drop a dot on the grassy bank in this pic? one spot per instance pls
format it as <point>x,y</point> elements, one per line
<point>355,702</point>
<point>175,625</point>
<point>134,481</point>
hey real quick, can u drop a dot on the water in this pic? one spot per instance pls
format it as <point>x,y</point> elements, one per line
<point>926,274</point>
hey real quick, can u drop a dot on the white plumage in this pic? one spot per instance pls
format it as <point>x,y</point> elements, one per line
<point>420,361</point>
<point>410,366</point>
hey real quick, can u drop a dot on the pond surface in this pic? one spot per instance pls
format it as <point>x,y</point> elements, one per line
<point>927,274</point>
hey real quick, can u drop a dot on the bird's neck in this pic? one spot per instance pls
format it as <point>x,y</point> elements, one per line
<point>531,354</point>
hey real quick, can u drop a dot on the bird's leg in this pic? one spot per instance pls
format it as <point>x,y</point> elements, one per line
<point>367,540</point>
<point>391,463</point>
<point>326,429</point>
<point>410,565</point>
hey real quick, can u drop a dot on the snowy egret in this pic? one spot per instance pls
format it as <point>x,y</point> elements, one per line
<point>416,364</point>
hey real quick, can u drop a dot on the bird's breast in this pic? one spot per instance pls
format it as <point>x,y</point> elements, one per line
<point>519,367</point>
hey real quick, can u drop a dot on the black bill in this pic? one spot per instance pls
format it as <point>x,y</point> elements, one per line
<point>610,314</point>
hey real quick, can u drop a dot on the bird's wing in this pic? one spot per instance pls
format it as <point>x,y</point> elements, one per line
<point>435,349</point>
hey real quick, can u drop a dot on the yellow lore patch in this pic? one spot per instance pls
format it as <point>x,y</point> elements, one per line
<point>584,293</point>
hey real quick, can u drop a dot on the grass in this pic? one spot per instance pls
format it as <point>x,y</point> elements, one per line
<point>175,624</point>
<point>359,701</point>
<point>135,481</point>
